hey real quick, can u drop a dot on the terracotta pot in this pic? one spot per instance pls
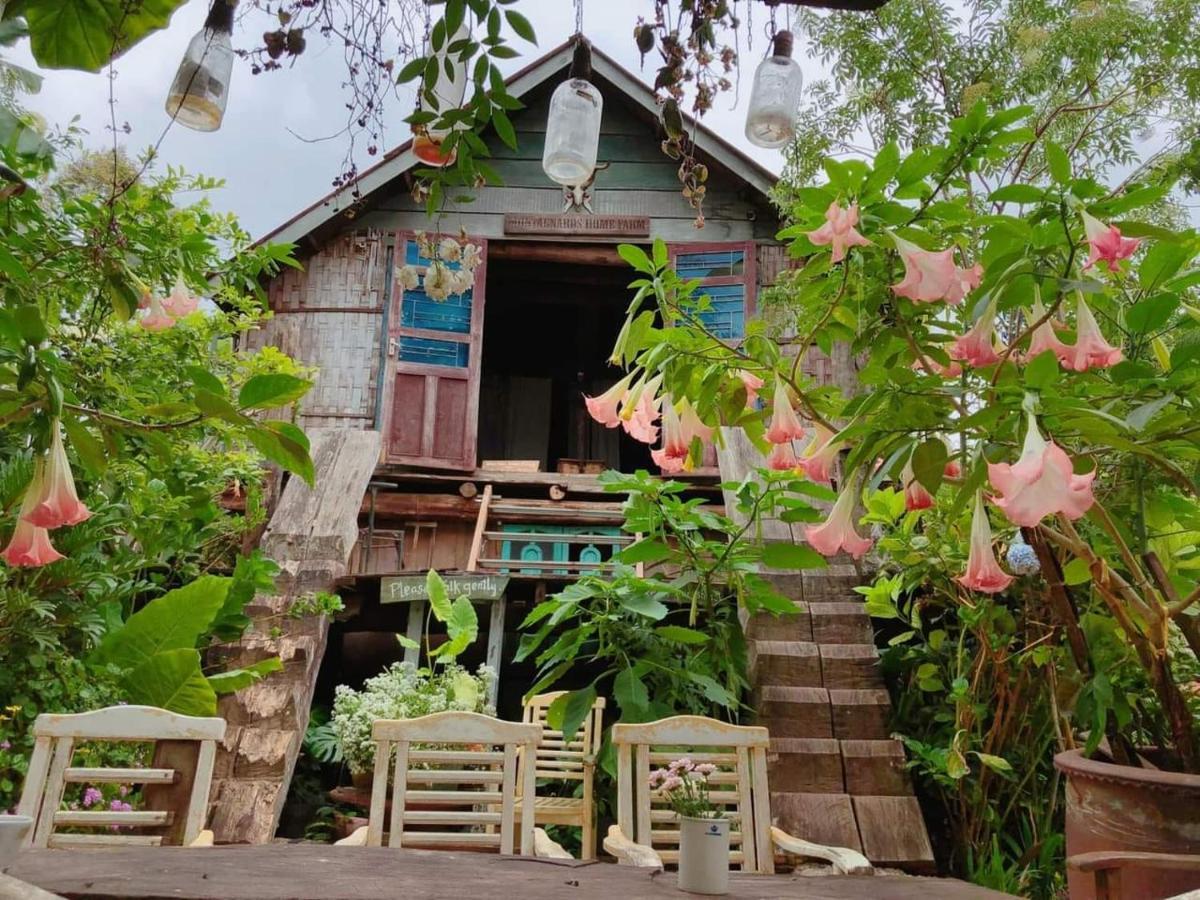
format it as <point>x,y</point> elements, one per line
<point>704,855</point>
<point>362,780</point>
<point>1111,807</point>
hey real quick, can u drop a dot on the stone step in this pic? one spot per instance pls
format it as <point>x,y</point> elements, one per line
<point>860,714</point>
<point>850,666</point>
<point>875,768</point>
<point>794,712</point>
<point>765,626</point>
<point>840,623</point>
<point>785,663</point>
<point>805,765</point>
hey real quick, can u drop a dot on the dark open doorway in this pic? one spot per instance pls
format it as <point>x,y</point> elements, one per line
<point>553,313</point>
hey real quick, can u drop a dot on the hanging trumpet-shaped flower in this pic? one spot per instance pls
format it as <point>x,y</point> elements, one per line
<point>752,382</point>
<point>979,347</point>
<point>675,446</point>
<point>57,503</point>
<point>782,458</point>
<point>408,277</point>
<point>1090,350</point>
<point>839,231</point>
<point>785,425</point>
<point>639,411</point>
<point>30,544</point>
<point>472,256</point>
<point>156,319</point>
<point>915,494</point>
<point>1043,338</point>
<point>983,572</point>
<point>1106,244</point>
<point>693,427</point>
<point>438,282</point>
<point>604,408</point>
<point>450,249</point>
<point>180,302</point>
<point>1041,483</point>
<point>461,281</point>
<point>837,532</point>
<point>669,465</point>
<point>931,275</point>
<point>818,458</point>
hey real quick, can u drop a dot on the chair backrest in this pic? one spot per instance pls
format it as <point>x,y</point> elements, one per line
<point>559,758</point>
<point>739,784</point>
<point>465,765</point>
<point>178,779</point>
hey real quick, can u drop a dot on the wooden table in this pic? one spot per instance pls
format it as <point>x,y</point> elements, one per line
<point>324,872</point>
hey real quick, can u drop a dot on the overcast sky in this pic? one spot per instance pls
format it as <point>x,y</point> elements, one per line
<point>270,175</point>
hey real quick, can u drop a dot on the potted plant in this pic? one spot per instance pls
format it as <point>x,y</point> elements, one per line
<point>703,827</point>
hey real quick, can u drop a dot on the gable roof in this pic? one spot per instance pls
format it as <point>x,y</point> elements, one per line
<point>520,84</point>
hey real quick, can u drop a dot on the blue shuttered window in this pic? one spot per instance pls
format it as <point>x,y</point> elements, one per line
<point>721,298</point>
<point>418,310</point>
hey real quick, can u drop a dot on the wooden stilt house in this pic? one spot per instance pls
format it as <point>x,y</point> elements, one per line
<point>488,463</point>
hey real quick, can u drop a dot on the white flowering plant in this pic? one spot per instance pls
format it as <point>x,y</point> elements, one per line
<point>685,786</point>
<point>403,691</point>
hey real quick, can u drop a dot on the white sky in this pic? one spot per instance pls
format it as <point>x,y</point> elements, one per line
<point>270,175</point>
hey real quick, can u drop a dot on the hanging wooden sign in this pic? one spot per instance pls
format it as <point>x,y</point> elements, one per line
<point>410,588</point>
<point>585,225</point>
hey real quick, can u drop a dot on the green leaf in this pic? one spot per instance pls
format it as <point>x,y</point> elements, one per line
<point>643,604</point>
<point>12,267</point>
<point>462,627</point>
<point>406,642</point>
<point>636,257</point>
<point>172,680</point>
<point>27,319</point>
<point>236,679</point>
<point>412,71</point>
<point>1058,162</point>
<point>995,763</point>
<point>929,464</point>
<point>1042,371</point>
<point>677,634</point>
<point>1017,193</point>
<point>218,407</point>
<point>90,450</point>
<point>439,599</point>
<point>519,24</point>
<point>504,127</point>
<point>285,444</point>
<point>79,34</point>
<point>956,765</point>
<point>568,711</point>
<point>630,691</point>
<point>792,556</point>
<point>1161,262</point>
<point>1076,572</point>
<point>176,620</point>
<point>647,550</point>
<point>713,689</point>
<point>1152,313</point>
<point>266,391</point>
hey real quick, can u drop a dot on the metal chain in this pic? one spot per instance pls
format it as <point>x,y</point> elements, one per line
<point>579,16</point>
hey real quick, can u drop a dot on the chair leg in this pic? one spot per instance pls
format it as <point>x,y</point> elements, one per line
<point>587,848</point>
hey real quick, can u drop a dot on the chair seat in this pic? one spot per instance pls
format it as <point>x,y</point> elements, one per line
<point>556,810</point>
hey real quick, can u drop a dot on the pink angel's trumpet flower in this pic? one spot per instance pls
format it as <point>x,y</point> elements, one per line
<point>839,231</point>
<point>639,411</point>
<point>782,458</point>
<point>604,408</point>
<point>979,347</point>
<point>1043,338</point>
<point>753,385</point>
<point>1090,350</point>
<point>180,302</point>
<point>1041,483</point>
<point>693,427</point>
<point>675,445</point>
<point>818,458</point>
<point>953,468</point>
<point>669,465</point>
<point>156,319</point>
<point>1106,244</point>
<point>931,275</point>
<point>983,572</point>
<point>58,504</point>
<point>837,532</point>
<point>30,544</point>
<point>929,365</point>
<point>785,425</point>
<point>915,494</point>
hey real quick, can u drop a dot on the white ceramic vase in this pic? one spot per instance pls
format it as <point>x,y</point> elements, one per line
<point>704,855</point>
<point>12,831</point>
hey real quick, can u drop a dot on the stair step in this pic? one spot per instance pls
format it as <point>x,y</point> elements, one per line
<point>875,768</point>
<point>795,712</point>
<point>893,833</point>
<point>861,714</point>
<point>805,765</point>
<point>787,663</point>
<point>767,626</point>
<point>821,818</point>
<point>850,666</point>
<point>790,584</point>
<point>827,586</point>
<point>840,623</point>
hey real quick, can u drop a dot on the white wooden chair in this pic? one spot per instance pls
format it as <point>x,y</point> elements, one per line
<point>647,830</point>
<point>572,762</point>
<point>179,777</point>
<point>473,771</point>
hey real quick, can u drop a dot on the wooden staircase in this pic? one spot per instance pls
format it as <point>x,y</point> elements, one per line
<point>837,777</point>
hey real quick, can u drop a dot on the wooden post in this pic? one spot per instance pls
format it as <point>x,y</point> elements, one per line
<point>495,644</point>
<point>480,528</point>
<point>416,627</point>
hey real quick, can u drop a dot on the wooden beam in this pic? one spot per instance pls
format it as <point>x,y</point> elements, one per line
<point>546,251</point>
<point>480,528</point>
<point>390,505</point>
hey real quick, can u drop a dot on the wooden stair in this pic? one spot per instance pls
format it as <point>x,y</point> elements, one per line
<point>837,777</point>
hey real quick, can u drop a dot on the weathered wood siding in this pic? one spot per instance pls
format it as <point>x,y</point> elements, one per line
<point>328,315</point>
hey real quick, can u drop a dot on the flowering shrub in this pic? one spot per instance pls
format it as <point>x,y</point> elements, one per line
<point>685,786</point>
<point>403,691</point>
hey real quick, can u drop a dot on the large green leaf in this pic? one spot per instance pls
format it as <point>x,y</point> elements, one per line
<point>172,680</point>
<point>176,620</point>
<point>236,679</point>
<point>567,712</point>
<point>462,626</point>
<point>85,34</point>
<point>792,556</point>
<point>266,391</point>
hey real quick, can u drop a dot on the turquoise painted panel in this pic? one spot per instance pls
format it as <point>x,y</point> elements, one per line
<point>711,263</point>
<point>431,352</point>
<point>726,310</point>
<point>559,551</point>
<point>452,314</point>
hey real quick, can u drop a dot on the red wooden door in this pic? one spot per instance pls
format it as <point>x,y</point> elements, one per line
<point>436,347</point>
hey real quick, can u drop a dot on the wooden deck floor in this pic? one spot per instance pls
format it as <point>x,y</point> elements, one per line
<point>323,872</point>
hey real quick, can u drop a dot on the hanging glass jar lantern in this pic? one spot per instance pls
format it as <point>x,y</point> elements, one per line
<point>201,87</point>
<point>775,97</point>
<point>449,89</point>
<point>573,126</point>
